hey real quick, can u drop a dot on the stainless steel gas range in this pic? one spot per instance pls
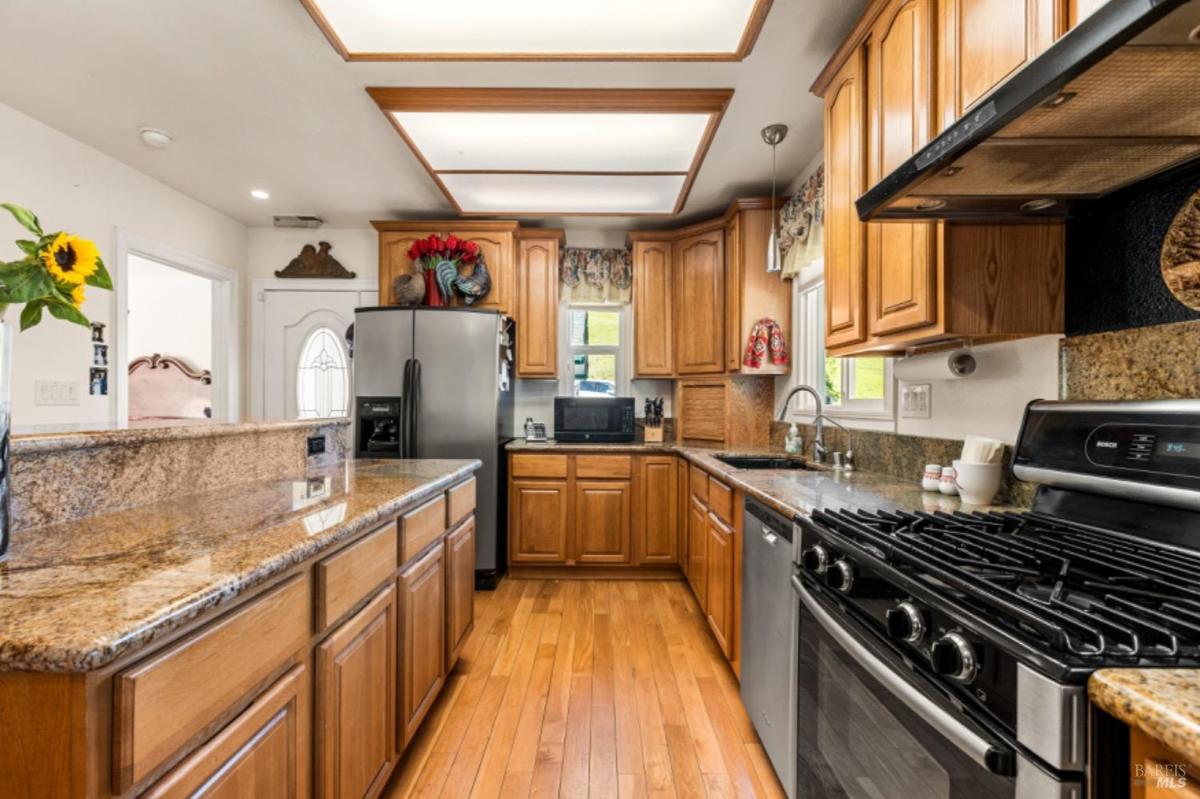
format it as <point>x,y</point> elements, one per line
<point>947,655</point>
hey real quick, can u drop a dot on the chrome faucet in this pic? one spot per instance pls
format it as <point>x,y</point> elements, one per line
<point>819,419</point>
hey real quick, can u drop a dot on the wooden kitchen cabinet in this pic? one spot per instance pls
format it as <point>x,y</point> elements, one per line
<point>682,504</point>
<point>700,302</point>
<point>653,331</point>
<point>460,589</point>
<point>718,592</point>
<point>697,528</point>
<point>394,261</point>
<point>1157,772</point>
<point>602,521</point>
<point>983,43</point>
<point>657,517</point>
<point>422,589</point>
<point>751,292</point>
<point>538,521</point>
<point>356,702</point>
<point>261,753</point>
<point>845,235</point>
<point>537,303</point>
<point>731,411</point>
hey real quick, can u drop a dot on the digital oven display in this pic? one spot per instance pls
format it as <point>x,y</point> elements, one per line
<point>1178,449</point>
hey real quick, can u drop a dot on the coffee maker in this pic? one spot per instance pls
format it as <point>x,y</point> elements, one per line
<point>378,426</point>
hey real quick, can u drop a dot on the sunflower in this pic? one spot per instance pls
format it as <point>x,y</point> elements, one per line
<point>77,295</point>
<point>71,259</point>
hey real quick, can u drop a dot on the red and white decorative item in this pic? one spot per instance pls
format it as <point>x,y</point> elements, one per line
<point>948,484</point>
<point>438,260</point>
<point>766,341</point>
<point>931,480</point>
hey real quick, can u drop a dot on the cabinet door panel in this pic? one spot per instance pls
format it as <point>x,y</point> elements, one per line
<point>700,315</point>
<point>681,508</point>
<point>538,527</point>
<point>356,702</point>
<point>718,599</point>
<point>653,344</point>
<point>697,548</point>
<point>460,588</point>
<point>602,521</point>
<point>497,252</point>
<point>657,525</point>
<point>422,638</point>
<point>902,264</point>
<point>734,252</point>
<point>845,244</point>
<point>537,308</point>
<point>394,260</point>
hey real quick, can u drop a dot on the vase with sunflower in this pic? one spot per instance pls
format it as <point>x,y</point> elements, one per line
<point>50,276</point>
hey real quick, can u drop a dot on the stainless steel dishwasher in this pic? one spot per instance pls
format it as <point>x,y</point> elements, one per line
<point>768,628</point>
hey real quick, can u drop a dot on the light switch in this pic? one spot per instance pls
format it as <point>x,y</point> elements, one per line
<point>56,392</point>
<point>916,400</point>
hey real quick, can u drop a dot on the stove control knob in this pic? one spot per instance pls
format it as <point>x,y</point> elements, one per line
<point>906,622</point>
<point>840,576</point>
<point>953,656</point>
<point>815,559</point>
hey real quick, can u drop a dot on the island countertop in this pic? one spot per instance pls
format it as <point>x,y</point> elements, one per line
<point>76,596</point>
<point>1162,703</point>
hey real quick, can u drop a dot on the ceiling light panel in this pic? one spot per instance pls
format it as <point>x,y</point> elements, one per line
<point>489,193</point>
<point>556,142</point>
<point>532,28</point>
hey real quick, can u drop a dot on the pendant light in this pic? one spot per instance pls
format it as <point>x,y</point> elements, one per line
<point>773,135</point>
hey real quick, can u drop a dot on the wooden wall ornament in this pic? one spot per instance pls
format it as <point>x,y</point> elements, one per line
<point>1181,254</point>
<point>314,262</point>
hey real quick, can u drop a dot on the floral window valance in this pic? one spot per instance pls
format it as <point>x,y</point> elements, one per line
<point>592,274</point>
<point>802,225</point>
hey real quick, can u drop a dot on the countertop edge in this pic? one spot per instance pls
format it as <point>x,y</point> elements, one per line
<point>103,652</point>
<point>38,443</point>
<point>1129,696</point>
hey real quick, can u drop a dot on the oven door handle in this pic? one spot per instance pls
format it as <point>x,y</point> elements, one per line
<point>997,759</point>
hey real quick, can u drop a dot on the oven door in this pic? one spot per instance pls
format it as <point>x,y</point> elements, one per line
<point>867,727</point>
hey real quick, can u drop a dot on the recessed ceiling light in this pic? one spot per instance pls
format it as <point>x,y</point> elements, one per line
<point>259,194</point>
<point>155,137</point>
<point>386,30</point>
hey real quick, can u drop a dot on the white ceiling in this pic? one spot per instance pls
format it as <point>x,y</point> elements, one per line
<point>257,98</point>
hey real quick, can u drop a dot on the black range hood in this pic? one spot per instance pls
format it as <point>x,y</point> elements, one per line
<point>1113,102</point>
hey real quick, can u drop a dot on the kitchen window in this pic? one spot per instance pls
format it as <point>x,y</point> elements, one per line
<point>595,350</point>
<point>851,387</point>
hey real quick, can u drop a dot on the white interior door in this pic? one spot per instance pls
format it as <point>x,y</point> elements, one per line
<point>303,366</point>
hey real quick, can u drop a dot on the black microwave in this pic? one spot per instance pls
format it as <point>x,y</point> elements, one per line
<point>595,419</point>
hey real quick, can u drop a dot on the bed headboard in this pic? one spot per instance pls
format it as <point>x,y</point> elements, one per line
<point>168,387</point>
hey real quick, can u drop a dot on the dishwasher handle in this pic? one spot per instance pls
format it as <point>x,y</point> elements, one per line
<point>995,758</point>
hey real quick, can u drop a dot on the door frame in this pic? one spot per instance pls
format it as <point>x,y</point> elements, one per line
<point>258,334</point>
<point>226,345</point>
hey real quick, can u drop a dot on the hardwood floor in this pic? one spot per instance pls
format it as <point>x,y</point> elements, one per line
<point>581,688</point>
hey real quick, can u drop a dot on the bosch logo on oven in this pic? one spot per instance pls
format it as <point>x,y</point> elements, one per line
<point>1106,444</point>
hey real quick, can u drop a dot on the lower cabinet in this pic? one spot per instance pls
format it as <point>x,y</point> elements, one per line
<point>261,753</point>
<point>538,521</point>
<point>657,519</point>
<point>697,548</point>
<point>718,593</point>
<point>460,589</point>
<point>356,702</point>
<point>602,516</point>
<point>422,588</point>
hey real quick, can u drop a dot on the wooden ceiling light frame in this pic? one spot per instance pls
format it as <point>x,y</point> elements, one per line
<point>712,102</point>
<point>754,26</point>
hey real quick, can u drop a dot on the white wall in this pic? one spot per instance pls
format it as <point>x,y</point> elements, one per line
<point>74,187</point>
<point>159,322</point>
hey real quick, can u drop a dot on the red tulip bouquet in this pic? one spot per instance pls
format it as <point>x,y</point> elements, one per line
<point>438,260</point>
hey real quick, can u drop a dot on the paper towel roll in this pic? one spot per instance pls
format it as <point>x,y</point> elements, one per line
<point>935,366</point>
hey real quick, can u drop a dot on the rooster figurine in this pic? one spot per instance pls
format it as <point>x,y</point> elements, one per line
<point>445,273</point>
<point>476,285</point>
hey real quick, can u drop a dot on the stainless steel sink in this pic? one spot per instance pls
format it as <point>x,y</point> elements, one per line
<point>761,462</point>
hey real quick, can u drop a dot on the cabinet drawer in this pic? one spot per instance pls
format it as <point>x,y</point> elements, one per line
<point>527,465</point>
<point>163,703</point>
<point>419,527</point>
<point>460,501</point>
<point>349,575</point>
<point>604,466</point>
<point>699,483</point>
<point>720,500</point>
<point>264,748</point>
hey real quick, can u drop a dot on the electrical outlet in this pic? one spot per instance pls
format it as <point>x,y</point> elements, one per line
<point>56,392</point>
<point>916,400</point>
<point>316,445</point>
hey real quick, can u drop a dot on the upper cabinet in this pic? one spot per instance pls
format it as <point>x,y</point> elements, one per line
<point>700,319</point>
<point>909,68</point>
<point>653,335</point>
<point>985,42</point>
<point>537,302</point>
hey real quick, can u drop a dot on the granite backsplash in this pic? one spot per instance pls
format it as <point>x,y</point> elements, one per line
<point>1142,363</point>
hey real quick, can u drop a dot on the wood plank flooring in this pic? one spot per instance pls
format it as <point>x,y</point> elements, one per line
<point>581,688</point>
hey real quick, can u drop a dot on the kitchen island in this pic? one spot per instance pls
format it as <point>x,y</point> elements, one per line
<point>287,631</point>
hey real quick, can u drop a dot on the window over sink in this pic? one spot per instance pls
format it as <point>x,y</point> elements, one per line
<point>595,350</point>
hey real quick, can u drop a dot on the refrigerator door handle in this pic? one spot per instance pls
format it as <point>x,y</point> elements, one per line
<point>405,395</point>
<point>414,407</point>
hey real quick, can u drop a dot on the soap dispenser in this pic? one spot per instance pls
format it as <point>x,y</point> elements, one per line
<point>793,444</point>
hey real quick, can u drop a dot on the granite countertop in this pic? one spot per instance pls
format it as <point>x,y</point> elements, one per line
<point>78,595</point>
<point>1163,703</point>
<point>51,438</point>
<point>792,492</point>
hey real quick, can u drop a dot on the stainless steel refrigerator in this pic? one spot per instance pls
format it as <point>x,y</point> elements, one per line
<point>437,383</point>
